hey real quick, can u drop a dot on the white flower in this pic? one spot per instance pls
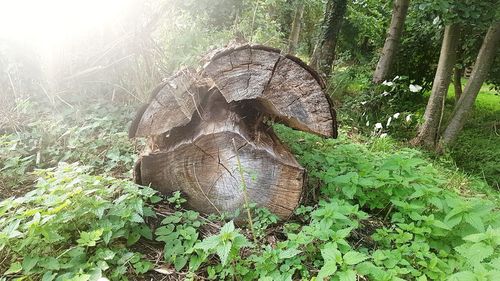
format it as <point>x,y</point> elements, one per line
<point>363,102</point>
<point>396,115</point>
<point>384,94</point>
<point>387,83</point>
<point>436,20</point>
<point>389,121</point>
<point>383,135</point>
<point>408,118</point>
<point>368,123</point>
<point>396,78</point>
<point>378,126</point>
<point>415,88</point>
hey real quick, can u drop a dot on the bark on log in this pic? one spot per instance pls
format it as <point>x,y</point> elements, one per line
<point>199,122</point>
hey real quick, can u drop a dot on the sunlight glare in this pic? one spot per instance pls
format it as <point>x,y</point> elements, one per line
<point>55,22</point>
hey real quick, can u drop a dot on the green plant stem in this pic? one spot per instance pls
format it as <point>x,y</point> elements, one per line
<point>245,195</point>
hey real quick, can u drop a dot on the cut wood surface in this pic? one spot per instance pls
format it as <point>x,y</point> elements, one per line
<point>200,123</point>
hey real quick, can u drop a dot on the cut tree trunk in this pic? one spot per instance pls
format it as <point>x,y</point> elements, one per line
<point>428,132</point>
<point>479,73</point>
<point>295,33</point>
<point>200,123</point>
<point>383,69</point>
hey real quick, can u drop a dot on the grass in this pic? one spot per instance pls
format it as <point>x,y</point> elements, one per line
<point>477,150</point>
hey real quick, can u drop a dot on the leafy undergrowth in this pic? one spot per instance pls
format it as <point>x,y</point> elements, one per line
<point>372,213</point>
<point>94,136</point>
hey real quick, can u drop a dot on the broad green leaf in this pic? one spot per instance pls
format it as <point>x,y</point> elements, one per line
<point>289,253</point>
<point>50,263</point>
<point>14,268</point>
<point>208,243</point>
<point>463,276</point>
<point>352,257</point>
<point>223,252</point>
<point>29,262</point>
<point>328,269</point>
<point>349,275</point>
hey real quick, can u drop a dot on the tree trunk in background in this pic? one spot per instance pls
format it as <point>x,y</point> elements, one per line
<point>479,73</point>
<point>324,52</point>
<point>457,83</point>
<point>296,25</point>
<point>428,132</point>
<point>389,51</point>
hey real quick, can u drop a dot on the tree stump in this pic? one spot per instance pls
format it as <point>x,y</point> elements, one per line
<point>209,139</point>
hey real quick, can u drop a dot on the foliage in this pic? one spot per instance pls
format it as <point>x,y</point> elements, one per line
<point>74,226</point>
<point>386,108</point>
<point>93,136</point>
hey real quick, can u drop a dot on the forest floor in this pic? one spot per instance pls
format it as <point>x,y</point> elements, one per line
<point>386,211</point>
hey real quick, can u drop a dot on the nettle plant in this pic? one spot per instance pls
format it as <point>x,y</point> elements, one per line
<point>74,226</point>
<point>426,231</point>
<point>97,139</point>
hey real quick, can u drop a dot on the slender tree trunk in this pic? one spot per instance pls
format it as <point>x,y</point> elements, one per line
<point>400,9</point>
<point>479,73</point>
<point>296,25</point>
<point>324,52</point>
<point>428,132</point>
<point>457,83</point>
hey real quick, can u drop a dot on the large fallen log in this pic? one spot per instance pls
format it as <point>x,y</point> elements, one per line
<point>208,137</point>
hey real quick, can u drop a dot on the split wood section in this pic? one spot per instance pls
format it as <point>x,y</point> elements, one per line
<point>198,122</point>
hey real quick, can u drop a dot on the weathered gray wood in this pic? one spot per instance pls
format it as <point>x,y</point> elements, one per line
<point>172,106</point>
<point>203,164</point>
<point>286,89</point>
<point>199,123</point>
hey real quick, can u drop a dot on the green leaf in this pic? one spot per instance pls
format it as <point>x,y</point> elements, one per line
<point>463,276</point>
<point>475,221</point>
<point>352,257</point>
<point>50,263</point>
<point>289,253</point>
<point>136,218</point>
<point>180,262</point>
<point>14,268</point>
<point>29,262</point>
<point>208,243</point>
<point>331,253</point>
<point>475,253</point>
<point>349,275</point>
<point>49,276</point>
<point>223,252</point>
<point>328,269</point>
<point>227,228</point>
<point>89,239</point>
<point>155,199</point>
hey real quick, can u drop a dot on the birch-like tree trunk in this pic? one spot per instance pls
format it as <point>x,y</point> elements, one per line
<point>428,132</point>
<point>296,26</point>
<point>479,73</point>
<point>383,70</point>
